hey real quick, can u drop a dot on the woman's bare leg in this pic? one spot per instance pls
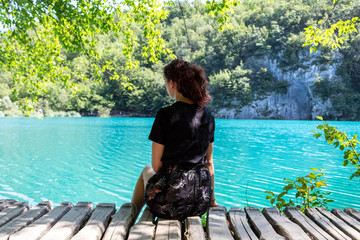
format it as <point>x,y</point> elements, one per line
<point>138,195</point>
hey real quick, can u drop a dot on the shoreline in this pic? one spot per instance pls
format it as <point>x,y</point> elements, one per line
<point>153,116</point>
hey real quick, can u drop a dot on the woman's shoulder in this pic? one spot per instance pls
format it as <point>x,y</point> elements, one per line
<point>164,112</point>
<point>208,112</point>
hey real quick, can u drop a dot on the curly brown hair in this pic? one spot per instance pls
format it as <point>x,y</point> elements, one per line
<point>190,80</point>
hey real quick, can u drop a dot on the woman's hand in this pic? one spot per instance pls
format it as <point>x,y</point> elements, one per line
<point>213,203</point>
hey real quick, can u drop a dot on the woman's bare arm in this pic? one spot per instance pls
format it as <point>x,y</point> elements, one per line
<point>157,152</point>
<point>210,167</point>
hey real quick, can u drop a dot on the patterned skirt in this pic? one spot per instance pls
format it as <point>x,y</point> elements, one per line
<point>178,192</point>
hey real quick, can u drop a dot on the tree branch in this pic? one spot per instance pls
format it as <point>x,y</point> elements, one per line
<point>36,34</point>
<point>356,155</point>
<point>58,21</point>
<point>186,29</point>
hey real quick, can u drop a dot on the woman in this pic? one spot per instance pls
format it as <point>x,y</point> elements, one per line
<point>180,182</point>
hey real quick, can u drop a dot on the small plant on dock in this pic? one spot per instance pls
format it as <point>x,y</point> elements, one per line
<point>308,193</point>
<point>203,219</point>
<point>345,143</point>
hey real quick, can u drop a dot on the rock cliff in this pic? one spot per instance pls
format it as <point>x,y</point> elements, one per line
<point>299,102</point>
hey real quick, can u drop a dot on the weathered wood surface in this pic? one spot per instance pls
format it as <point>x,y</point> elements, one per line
<point>70,224</point>
<point>121,222</point>
<point>41,226</point>
<point>12,212</point>
<point>194,229</point>
<point>346,218</point>
<point>168,229</point>
<point>144,229</point>
<point>353,213</point>
<point>66,222</point>
<point>261,226</point>
<point>343,226</point>
<point>216,226</point>
<point>307,224</point>
<point>24,219</point>
<point>283,225</point>
<point>6,203</point>
<point>240,226</point>
<point>325,223</point>
<point>97,223</point>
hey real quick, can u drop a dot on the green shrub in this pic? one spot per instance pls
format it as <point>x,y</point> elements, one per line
<point>344,142</point>
<point>307,192</point>
<point>231,88</point>
<point>6,104</point>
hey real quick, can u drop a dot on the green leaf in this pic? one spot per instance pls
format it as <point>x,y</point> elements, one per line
<point>288,187</point>
<point>320,184</point>
<point>312,175</point>
<point>270,192</point>
<point>320,118</point>
<point>288,180</point>
<point>281,194</point>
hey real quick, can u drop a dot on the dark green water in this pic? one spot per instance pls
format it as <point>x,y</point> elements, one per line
<point>99,159</point>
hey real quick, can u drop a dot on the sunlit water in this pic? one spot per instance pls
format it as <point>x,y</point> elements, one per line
<point>99,159</point>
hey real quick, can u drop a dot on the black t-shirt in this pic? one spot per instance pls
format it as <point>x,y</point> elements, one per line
<point>186,131</point>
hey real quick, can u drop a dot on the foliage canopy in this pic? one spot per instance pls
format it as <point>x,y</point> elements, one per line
<point>39,31</point>
<point>52,46</point>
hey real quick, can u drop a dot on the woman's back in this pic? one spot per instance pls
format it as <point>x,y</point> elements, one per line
<point>186,131</point>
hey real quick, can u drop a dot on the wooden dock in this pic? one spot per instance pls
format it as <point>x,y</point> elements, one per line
<point>84,221</point>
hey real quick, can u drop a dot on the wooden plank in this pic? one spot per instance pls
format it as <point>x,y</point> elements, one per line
<point>353,213</point>
<point>346,218</point>
<point>145,228</point>
<point>307,224</point>
<point>217,227</point>
<point>239,225</point>
<point>12,212</point>
<point>167,229</point>
<point>24,219</point>
<point>261,226</point>
<point>347,229</point>
<point>283,225</point>
<point>41,226</point>
<point>6,203</point>
<point>98,222</point>
<point>70,224</point>
<point>325,224</point>
<point>121,223</point>
<point>194,229</point>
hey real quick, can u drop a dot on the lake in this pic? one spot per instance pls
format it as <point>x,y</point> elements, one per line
<point>100,159</point>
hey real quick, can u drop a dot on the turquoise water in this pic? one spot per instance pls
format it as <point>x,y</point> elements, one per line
<point>99,159</point>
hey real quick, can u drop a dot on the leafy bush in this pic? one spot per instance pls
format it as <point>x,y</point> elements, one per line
<point>231,88</point>
<point>14,112</point>
<point>325,88</point>
<point>4,90</point>
<point>344,142</point>
<point>307,192</point>
<point>6,104</point>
